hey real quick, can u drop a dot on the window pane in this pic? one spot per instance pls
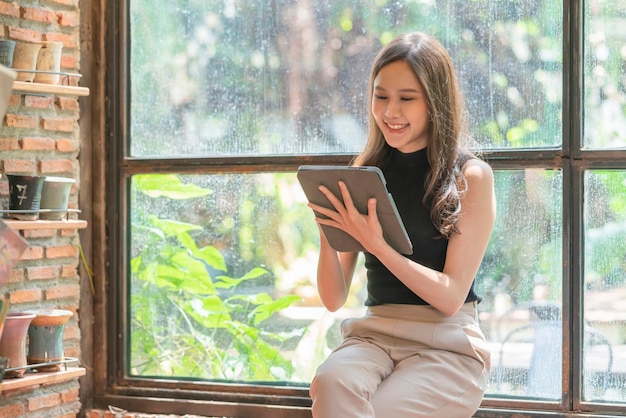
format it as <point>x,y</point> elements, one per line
<point>223,279</point>
<point>604,355</point>
<point>605,57</point>
<point>215,77</point>
<point>521,282</point>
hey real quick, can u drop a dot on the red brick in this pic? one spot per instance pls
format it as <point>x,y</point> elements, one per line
<point>71,352</point>
<point>61,251</point>
<point>56,166</point>
<point>67,145</point>
<point>12,410</point>
<point>25,296</point>
<point>39,15</point>
<point>66,232</point>
<point>9,9</point>
<point>38,144</point>
<point>16,276</point>
<point>67,103</point>
<point>71,332</point>
<point>68,19</point>
<point>20,166</point>
<point>39,102</point>
<point>33,253</point>
<point>68,41</point>
<point>50,400</point>
<point>15,100</point>
<point>68,271</point>
<point>9,144</point>
<point>62,292</point>
<point>65,2</point>
<point>23,34</point>
<point>43,272</point>
<point>21,121</point>
<point>39,233</point>
<point>58,124</point>
<point>70,62</point>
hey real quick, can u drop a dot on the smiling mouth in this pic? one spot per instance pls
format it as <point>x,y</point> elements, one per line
<point>396,126</point>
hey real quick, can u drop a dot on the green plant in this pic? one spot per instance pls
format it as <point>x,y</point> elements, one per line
<point>189,317</point>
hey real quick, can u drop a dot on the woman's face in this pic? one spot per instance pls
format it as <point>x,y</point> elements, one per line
<point>399,107</point>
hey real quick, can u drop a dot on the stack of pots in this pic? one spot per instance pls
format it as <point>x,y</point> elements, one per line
<point>38,197</point>
<point>39,62</point>
<point>42,332</point>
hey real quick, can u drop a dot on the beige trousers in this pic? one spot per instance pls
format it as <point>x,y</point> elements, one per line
<point>402,361</point>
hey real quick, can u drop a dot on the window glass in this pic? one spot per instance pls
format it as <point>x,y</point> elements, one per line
<point>223,279</point>
<point>605,58</point>
<point>235,77</point>
<point>521,284</point>
<point>604,348</point>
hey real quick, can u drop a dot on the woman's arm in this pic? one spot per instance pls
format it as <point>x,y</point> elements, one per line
<point>334,274</point>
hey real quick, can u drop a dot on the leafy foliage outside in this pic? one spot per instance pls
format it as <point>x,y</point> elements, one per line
<point>188,316</point>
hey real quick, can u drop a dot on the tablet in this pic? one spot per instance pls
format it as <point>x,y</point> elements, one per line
<point>363,183</point>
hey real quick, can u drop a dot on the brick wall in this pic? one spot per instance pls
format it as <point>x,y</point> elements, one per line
<point>39,135</point>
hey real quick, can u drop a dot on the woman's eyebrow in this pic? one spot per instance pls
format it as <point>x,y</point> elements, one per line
<point>407,90</point>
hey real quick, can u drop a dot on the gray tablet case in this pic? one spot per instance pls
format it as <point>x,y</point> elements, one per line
<point>363,184</point>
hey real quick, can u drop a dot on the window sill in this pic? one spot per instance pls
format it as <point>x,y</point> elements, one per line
<point>34,380</point>
<point>41,224</point>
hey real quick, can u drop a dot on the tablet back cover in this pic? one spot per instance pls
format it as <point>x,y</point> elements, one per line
<point>363,184</point>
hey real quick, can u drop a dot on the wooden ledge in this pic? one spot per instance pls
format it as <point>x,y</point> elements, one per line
<point>43,378</point>
<point>40,88</point>
<point>41,224</point>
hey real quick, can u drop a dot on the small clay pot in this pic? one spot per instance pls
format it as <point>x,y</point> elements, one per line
<point>7,48</point>
<point>49,63</point>
<point>25,196</point>
<point>13,342</point>
<point>55,194</point>
<point>45,338</point>
<point>25,58</point>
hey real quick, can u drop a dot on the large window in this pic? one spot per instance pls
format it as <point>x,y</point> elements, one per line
<point>221,101</point>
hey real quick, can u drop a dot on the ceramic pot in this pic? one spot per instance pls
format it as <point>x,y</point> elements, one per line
<point>3,366</point>
<point>55,194</point>
<point>49,61</point>
<point>25,58</point>
<point>45,338</point>
<point>13,342</point>
<point>25,195</point>
<point>7,48</point>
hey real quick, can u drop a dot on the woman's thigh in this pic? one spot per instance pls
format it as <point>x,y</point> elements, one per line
<point>344,384</point>
<point>431,384</point>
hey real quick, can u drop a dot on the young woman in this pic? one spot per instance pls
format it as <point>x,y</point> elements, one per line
<point>418,351</point>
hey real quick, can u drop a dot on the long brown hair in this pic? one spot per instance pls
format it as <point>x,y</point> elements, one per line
<point>446,152</point>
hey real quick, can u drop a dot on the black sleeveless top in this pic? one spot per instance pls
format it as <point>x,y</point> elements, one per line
<point>405,175</point>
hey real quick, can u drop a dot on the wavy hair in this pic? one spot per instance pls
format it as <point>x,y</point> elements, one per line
<point>447,152</point>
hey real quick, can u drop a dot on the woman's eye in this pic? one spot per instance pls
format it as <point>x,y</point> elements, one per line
<point>407,99</point>
<point>379,97</point>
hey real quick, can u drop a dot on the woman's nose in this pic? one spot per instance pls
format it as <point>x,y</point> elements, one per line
<point>393,109</point>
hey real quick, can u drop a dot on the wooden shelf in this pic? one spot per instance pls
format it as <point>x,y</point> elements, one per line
<point>41,224</point>
<point>43,378</point>
<point>40,88</point>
